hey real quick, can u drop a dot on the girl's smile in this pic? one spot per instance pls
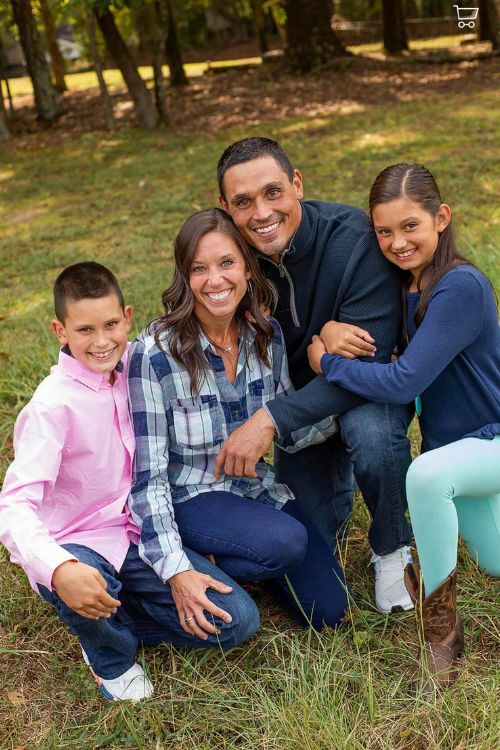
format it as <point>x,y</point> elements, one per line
<point>407,234</point>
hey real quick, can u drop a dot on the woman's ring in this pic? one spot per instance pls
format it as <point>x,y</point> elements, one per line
<point>188,619</point>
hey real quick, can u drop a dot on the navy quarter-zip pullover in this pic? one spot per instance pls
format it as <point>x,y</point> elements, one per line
<point>333,270</point>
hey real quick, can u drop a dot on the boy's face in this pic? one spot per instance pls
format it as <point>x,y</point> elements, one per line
<point>96,331</point>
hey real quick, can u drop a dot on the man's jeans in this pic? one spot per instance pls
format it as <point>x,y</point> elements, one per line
<point>147,613</point>
<point>373,442</point>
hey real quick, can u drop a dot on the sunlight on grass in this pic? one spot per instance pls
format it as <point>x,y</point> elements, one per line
<point>120,199</point>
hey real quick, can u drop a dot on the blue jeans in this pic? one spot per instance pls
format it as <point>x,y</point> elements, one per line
<point>254,542</point>
<point>147,613</point>
<point>373,442</point>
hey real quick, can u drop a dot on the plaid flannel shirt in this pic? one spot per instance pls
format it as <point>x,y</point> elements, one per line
<point>178,437</point>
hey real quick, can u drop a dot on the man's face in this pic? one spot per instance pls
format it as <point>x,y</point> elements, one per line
<point>263,203</point>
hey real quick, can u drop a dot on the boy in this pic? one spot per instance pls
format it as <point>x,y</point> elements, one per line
<point>63,508</point>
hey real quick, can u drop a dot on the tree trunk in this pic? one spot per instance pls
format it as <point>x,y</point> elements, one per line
<point>3,74</point>
<point>56,58</point>
<point>311,39</point>
<point>159,23</point>
<point>259,20</point>
<point>395,39</point>
<point>46,99</point>
<point>488,23</point>
<point>106,103</point>
<point>279,17</point>
<point>144,108</point>
<point>172,49</point>
<point>4,128</point>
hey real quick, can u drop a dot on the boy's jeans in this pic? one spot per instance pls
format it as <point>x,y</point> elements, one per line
<point>147,613</point>
<point>374,443</point>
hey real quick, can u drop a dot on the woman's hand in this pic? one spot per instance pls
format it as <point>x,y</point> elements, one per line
<point>83,589</point>
<point>315,351</point>
<point>347,340</point>
<point>188,590</point>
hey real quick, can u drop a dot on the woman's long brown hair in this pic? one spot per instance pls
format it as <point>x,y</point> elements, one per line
<point>415,182</point>
<point>179,322</point>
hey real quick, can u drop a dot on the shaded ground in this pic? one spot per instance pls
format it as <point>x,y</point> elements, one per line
<point>256,95</point>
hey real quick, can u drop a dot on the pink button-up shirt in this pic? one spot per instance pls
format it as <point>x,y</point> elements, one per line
<point>71,477</point>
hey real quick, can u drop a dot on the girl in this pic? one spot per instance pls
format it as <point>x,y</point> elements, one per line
<point>451,366</point>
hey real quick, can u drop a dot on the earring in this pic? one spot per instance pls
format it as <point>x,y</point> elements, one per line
<point>249,289</point>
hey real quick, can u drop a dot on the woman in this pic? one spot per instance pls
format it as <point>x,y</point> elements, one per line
<point>452,367</point>
<point>195,375</point>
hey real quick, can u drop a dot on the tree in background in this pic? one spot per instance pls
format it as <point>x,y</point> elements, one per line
<point>46,99</point>
<point>56,58</point>
<point>143,105</point>
<point>260,30</point>
<point>311,40</point>
<point>488,23</point>
<point>395,38</point>
<point>106,103</point>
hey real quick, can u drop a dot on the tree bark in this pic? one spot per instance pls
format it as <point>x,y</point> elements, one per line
<point>488,23</point>
<point>56,58</point>
<point>144,108</point>
<point>311,40</point>
<point>279,18</point>
<point>260,31</point>
<point>3,74</point>
<point>4,128</point>
<point>106,103</point>
<point>46,99</point>
<point>395,38</point>
<point>172,49</point>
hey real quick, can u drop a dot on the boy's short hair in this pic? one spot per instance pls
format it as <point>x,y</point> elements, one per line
<point>250,148</point>
<point>87,280</point>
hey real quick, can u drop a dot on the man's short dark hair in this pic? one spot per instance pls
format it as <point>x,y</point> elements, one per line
<point>251,148</point>
<point>86,280</point>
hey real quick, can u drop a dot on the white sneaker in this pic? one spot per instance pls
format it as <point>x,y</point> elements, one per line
<point>390,591</point>
<point>132,685</point>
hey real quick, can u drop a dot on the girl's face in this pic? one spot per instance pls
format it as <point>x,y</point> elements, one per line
<point>408,234</point>
<point>218,278</point>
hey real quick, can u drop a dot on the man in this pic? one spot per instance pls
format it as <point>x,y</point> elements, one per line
<point>325,262</point>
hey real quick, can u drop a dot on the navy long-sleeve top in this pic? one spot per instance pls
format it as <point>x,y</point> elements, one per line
<point>452,362</point>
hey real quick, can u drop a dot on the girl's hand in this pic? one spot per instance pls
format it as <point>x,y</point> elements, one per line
<point>315,351</point>
<point>188,590</point>
<point>83,589</point>
<point>347,340</point>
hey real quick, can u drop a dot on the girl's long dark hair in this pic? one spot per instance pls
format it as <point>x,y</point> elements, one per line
<point>415,182</point>
<point>179,322</point>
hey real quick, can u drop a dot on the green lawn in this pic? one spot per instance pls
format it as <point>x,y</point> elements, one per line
<point>120,199</point>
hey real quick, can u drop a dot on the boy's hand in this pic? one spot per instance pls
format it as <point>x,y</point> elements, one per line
<point>188,591</point>
<point>83,589</point>
<point>315,351</point>
<point>347,340</point>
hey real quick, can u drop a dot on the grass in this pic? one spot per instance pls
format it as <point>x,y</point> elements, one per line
<point>120,199</point>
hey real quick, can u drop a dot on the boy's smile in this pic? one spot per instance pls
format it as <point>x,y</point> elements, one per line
<point>96,331</point>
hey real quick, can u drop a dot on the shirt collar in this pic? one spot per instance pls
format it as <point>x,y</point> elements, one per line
<point>85,375</point>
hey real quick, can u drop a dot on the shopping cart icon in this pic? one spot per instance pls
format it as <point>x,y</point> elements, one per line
<point>466,17</point>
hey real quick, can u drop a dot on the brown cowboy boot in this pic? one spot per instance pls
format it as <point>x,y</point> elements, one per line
<point>443,631</point>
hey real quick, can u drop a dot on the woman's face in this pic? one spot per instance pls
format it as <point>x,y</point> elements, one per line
<point>408,234</point>
<point>218,277</point>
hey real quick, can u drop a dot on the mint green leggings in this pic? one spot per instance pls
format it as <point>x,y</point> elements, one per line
<point>455,489</point>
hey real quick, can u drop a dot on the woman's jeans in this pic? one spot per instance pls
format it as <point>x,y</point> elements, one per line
<point>252,542</point>
<point>147,613</point>
<point>451,490</point>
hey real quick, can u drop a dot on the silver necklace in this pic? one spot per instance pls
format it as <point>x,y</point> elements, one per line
<point>226,349</point>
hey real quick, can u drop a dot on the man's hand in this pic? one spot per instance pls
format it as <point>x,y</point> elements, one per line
<point>83,589</point>
<point>347,340</point>
<point>188,591</point>
<point>245,446</point>
<point>315,351</point>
